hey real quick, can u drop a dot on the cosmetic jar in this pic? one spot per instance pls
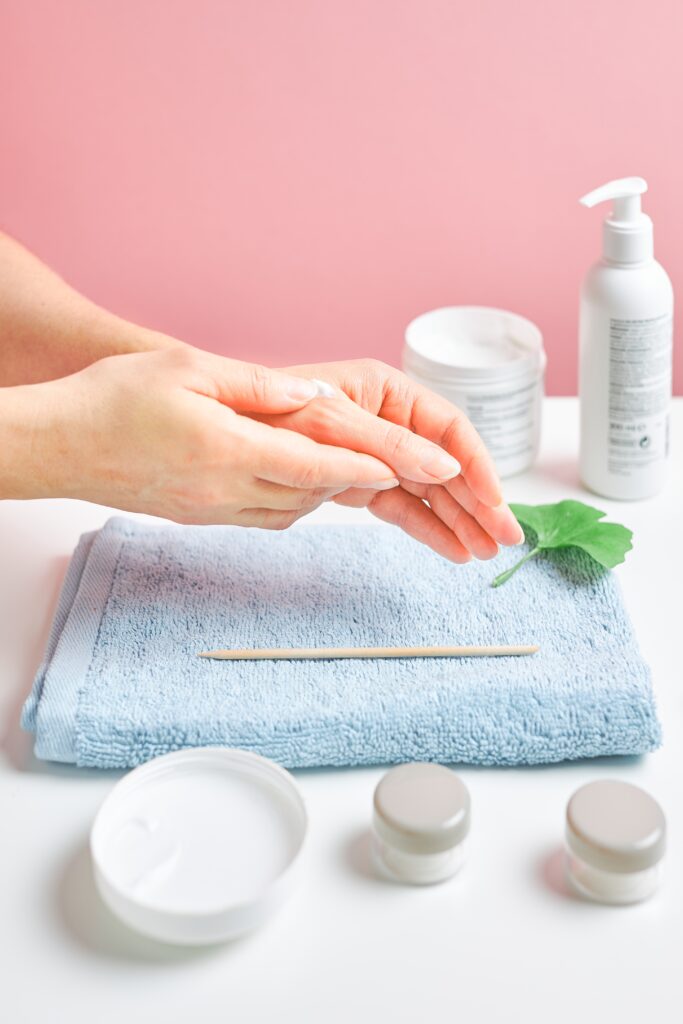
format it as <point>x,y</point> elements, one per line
<point>199,846</point>
<point>615,839</point>
<point>489,363</point>
<point>421,818</point>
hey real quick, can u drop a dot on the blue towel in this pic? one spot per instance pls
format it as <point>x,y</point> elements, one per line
<point>121,681</point>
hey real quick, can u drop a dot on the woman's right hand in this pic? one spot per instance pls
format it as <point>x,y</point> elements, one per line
<point>163,433</point>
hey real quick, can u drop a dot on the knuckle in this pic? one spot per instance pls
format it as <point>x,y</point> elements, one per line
<point>374,374</point>
<point>378,380</point>
<point>398,441</point>
<point>400,517</point>
<point>307,500</point>
<point>182,357</point>
<point>307,476</point>
<point>451,432</point>
<point>373,366</point>
<point>260,382</point>
<point>383,505</point>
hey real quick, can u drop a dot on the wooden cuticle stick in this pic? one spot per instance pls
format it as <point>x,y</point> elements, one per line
<point>327,653</point>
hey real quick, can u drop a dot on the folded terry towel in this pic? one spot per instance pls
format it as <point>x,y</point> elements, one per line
<point>121,681</point>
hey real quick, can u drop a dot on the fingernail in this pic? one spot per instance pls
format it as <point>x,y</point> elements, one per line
<point>505,509</point>
<point>301,390</point>
<point>382,485</point>
<point>440,464</point>
<point>324,390</point>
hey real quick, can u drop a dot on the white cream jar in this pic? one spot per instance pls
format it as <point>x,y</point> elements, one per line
<point>421,818</point>
<point>490,363</point>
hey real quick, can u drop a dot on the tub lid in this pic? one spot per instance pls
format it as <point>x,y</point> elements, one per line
<point>616,826</point>
<point>422,808</point>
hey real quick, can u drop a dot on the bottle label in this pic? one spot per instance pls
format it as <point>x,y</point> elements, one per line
<point>640,354</point>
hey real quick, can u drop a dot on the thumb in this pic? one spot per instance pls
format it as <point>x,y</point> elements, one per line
<point>250,387</point>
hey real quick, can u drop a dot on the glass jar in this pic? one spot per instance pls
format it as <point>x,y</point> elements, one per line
<point>615,839</point>
<point>421,818</point>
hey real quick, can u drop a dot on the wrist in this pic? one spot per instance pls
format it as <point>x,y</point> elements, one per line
<point>33,452</point>
<point>113,336</point>
<point>101,334</point>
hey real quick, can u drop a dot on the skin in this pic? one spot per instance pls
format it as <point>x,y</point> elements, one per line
<point>460,518</point>
<point>97,408</point>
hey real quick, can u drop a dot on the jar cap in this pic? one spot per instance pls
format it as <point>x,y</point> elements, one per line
<point>616,826</point>
<point>421,808</point>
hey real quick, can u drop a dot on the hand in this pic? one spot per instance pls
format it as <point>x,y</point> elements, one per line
<point>380,411</point>
<point>163,433</point>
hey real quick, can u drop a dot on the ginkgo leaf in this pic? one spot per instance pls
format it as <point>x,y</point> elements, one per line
<point>571,524</point>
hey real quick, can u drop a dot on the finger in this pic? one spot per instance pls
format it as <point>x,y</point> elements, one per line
<point>396,398</point>
<point>285,457</point>
<point>463,525</point>
<point>340,421</point>
<point>418,521</point>
<point>499,522</point>
<point>250,387</point>
<point>291,499</point>
<point>268,518</point>
<point>355,497</point>
<point>470,533</point>
<point>438,419</point>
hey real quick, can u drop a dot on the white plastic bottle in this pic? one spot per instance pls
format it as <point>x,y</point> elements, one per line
<point>625,353</point>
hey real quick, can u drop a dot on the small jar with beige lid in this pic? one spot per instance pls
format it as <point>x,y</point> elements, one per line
<point>615,839</point>
<point>420,822</point>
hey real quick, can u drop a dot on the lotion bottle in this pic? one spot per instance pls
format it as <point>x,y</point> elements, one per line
<point>625,353</point>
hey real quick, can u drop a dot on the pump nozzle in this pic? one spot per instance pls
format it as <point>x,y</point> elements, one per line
<point>625,192</point>
<point>627,234</point>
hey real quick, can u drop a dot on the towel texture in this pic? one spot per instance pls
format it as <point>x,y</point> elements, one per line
<point>121,681</point>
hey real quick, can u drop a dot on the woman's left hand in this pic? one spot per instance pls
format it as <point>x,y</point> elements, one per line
<point>379,411</point>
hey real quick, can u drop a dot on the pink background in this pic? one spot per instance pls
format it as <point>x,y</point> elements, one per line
<point>289,180</point>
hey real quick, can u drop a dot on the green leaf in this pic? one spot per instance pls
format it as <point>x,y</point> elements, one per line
<point>571,524</point>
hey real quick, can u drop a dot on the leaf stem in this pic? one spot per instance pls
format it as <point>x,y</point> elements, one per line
<point>505,576</point>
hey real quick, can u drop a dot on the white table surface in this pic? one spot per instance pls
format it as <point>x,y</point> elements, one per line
<point>503,939</point>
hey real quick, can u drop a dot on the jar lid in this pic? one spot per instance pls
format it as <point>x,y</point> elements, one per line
<point>616,826</point>
<point>199,845</point>
<point>421,808</point>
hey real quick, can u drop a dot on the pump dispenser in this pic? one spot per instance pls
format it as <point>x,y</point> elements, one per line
<point>627,232</point>
<point>625,352</point>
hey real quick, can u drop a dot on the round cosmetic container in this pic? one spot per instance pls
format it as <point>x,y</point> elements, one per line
<point>490,363</point>
<point>420,822</point>
<point>199,846</point>
<point>615,839</point>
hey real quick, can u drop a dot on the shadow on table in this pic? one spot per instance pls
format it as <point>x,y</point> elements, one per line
<point>550,872</point>
<point>87,920</point>
<point>16,744</point>
<point>357,856</point>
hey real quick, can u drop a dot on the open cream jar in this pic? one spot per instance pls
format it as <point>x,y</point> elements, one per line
<point>490,363</point>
